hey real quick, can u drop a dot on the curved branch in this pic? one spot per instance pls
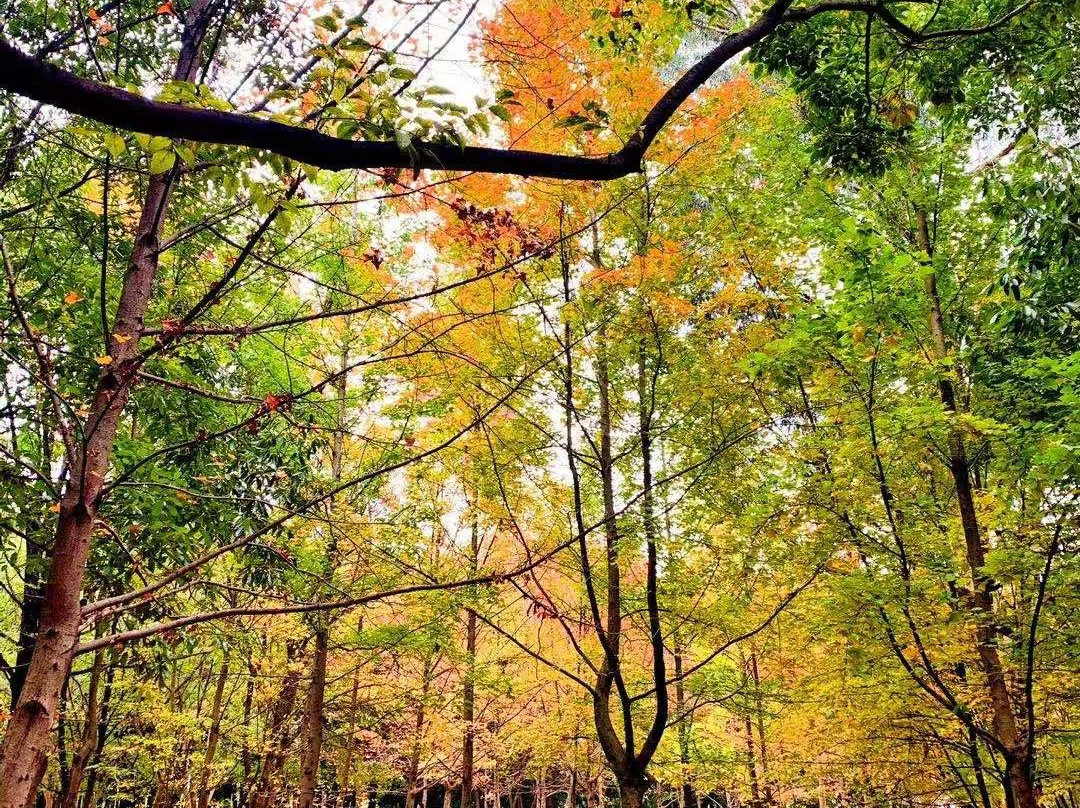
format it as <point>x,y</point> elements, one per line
<point>36,79</point>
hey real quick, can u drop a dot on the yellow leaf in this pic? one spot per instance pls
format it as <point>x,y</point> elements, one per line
<point>121,338</point>
<point>55,508</point>
<point>103,360</point>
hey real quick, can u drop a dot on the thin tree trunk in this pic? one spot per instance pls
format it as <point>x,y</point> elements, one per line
<point>262,796</point>
<point>214,734</point>
<point>687,797</point>
<point>69,796</point>
<point>412,775</point>
<point>347,791</point>
<point>468,698</point>
<point>313,720</point>
<point>26,741</point>
<point>1019,759</point>
<point>90,797</point>
<point>29,617</point>
<point>312,731</point>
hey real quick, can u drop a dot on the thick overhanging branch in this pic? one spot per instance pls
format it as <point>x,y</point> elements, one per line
<point>36,79</point>
<point>33,78</point>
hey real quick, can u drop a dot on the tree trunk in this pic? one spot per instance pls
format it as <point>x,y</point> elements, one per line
<point>26,741</point>
<point>312,732</point>
<point>632,795</point>
<point>413,773</point>
<point>468,698</point>
<point>1019,762</point>
<point>29,617</point>
<point>69,796</point>
<point>687,797</point>
<point>214,734</point>
<point>262,796</point>
<point>347,791</point>
<point>90,797</point>
<point>313,719</point>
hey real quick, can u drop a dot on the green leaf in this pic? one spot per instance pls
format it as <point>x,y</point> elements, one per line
<point>115,144</point>
<point>161,161</point>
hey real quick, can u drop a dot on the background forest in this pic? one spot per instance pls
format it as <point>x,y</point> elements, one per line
<point>739,468</point>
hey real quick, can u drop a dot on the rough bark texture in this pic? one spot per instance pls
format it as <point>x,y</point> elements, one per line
<point>213,735</point>
<point>1019,761</point>
<point>69,796</point>
<point>313,720</point>
<point>27,739</point>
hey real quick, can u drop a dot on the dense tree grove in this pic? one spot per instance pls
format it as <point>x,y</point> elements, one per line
<point>540,404</point>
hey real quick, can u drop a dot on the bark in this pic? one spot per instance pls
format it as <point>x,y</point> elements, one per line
<point>26,740</point>
<point>759,709</point>
<point>312,732</point>
<point>687,796</point>
<point>347,790</point>
<point>1018,753</point>
<point>413,773</point>
<point>632,795</point>
<point>69,796</point>
<point>648,522</point>
<point>468,698</point>
<point>313,720</point>
<point>214,734</point>
<point>618,752</point>
<point>90,797</point>
<point>278,738</point>
<point>29,617</point>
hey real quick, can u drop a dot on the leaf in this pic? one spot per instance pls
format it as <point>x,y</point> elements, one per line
<point>93,15</point>
<point>501,112</point>
<point>103,360</point>
<point>165,8</point>
<point>71,298</point>
<point>162,161</point>
<point>115,144</point>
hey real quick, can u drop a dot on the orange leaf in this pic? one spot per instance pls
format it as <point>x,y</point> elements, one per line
<point>93,15</point>
<point>103,360</point>
<point>71,298</point>
<point>165,8</point>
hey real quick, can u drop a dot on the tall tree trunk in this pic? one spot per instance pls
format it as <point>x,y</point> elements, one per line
<point>26,740</point>
<point>313,719</point>
<point>214,734</point>
<point>347,790</point>
<point>278,738</point>
<point>759,720</point>
<point>312,731</point>
<point>90,797</point>
<point>468,698</point>
<point>413,774</point>
<point>69,796</point>
<point>687,797</point>
<point>1019,755</point>
<point>29,616</point>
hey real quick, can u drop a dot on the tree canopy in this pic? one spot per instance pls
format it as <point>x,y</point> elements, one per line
<point>540,403</point>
